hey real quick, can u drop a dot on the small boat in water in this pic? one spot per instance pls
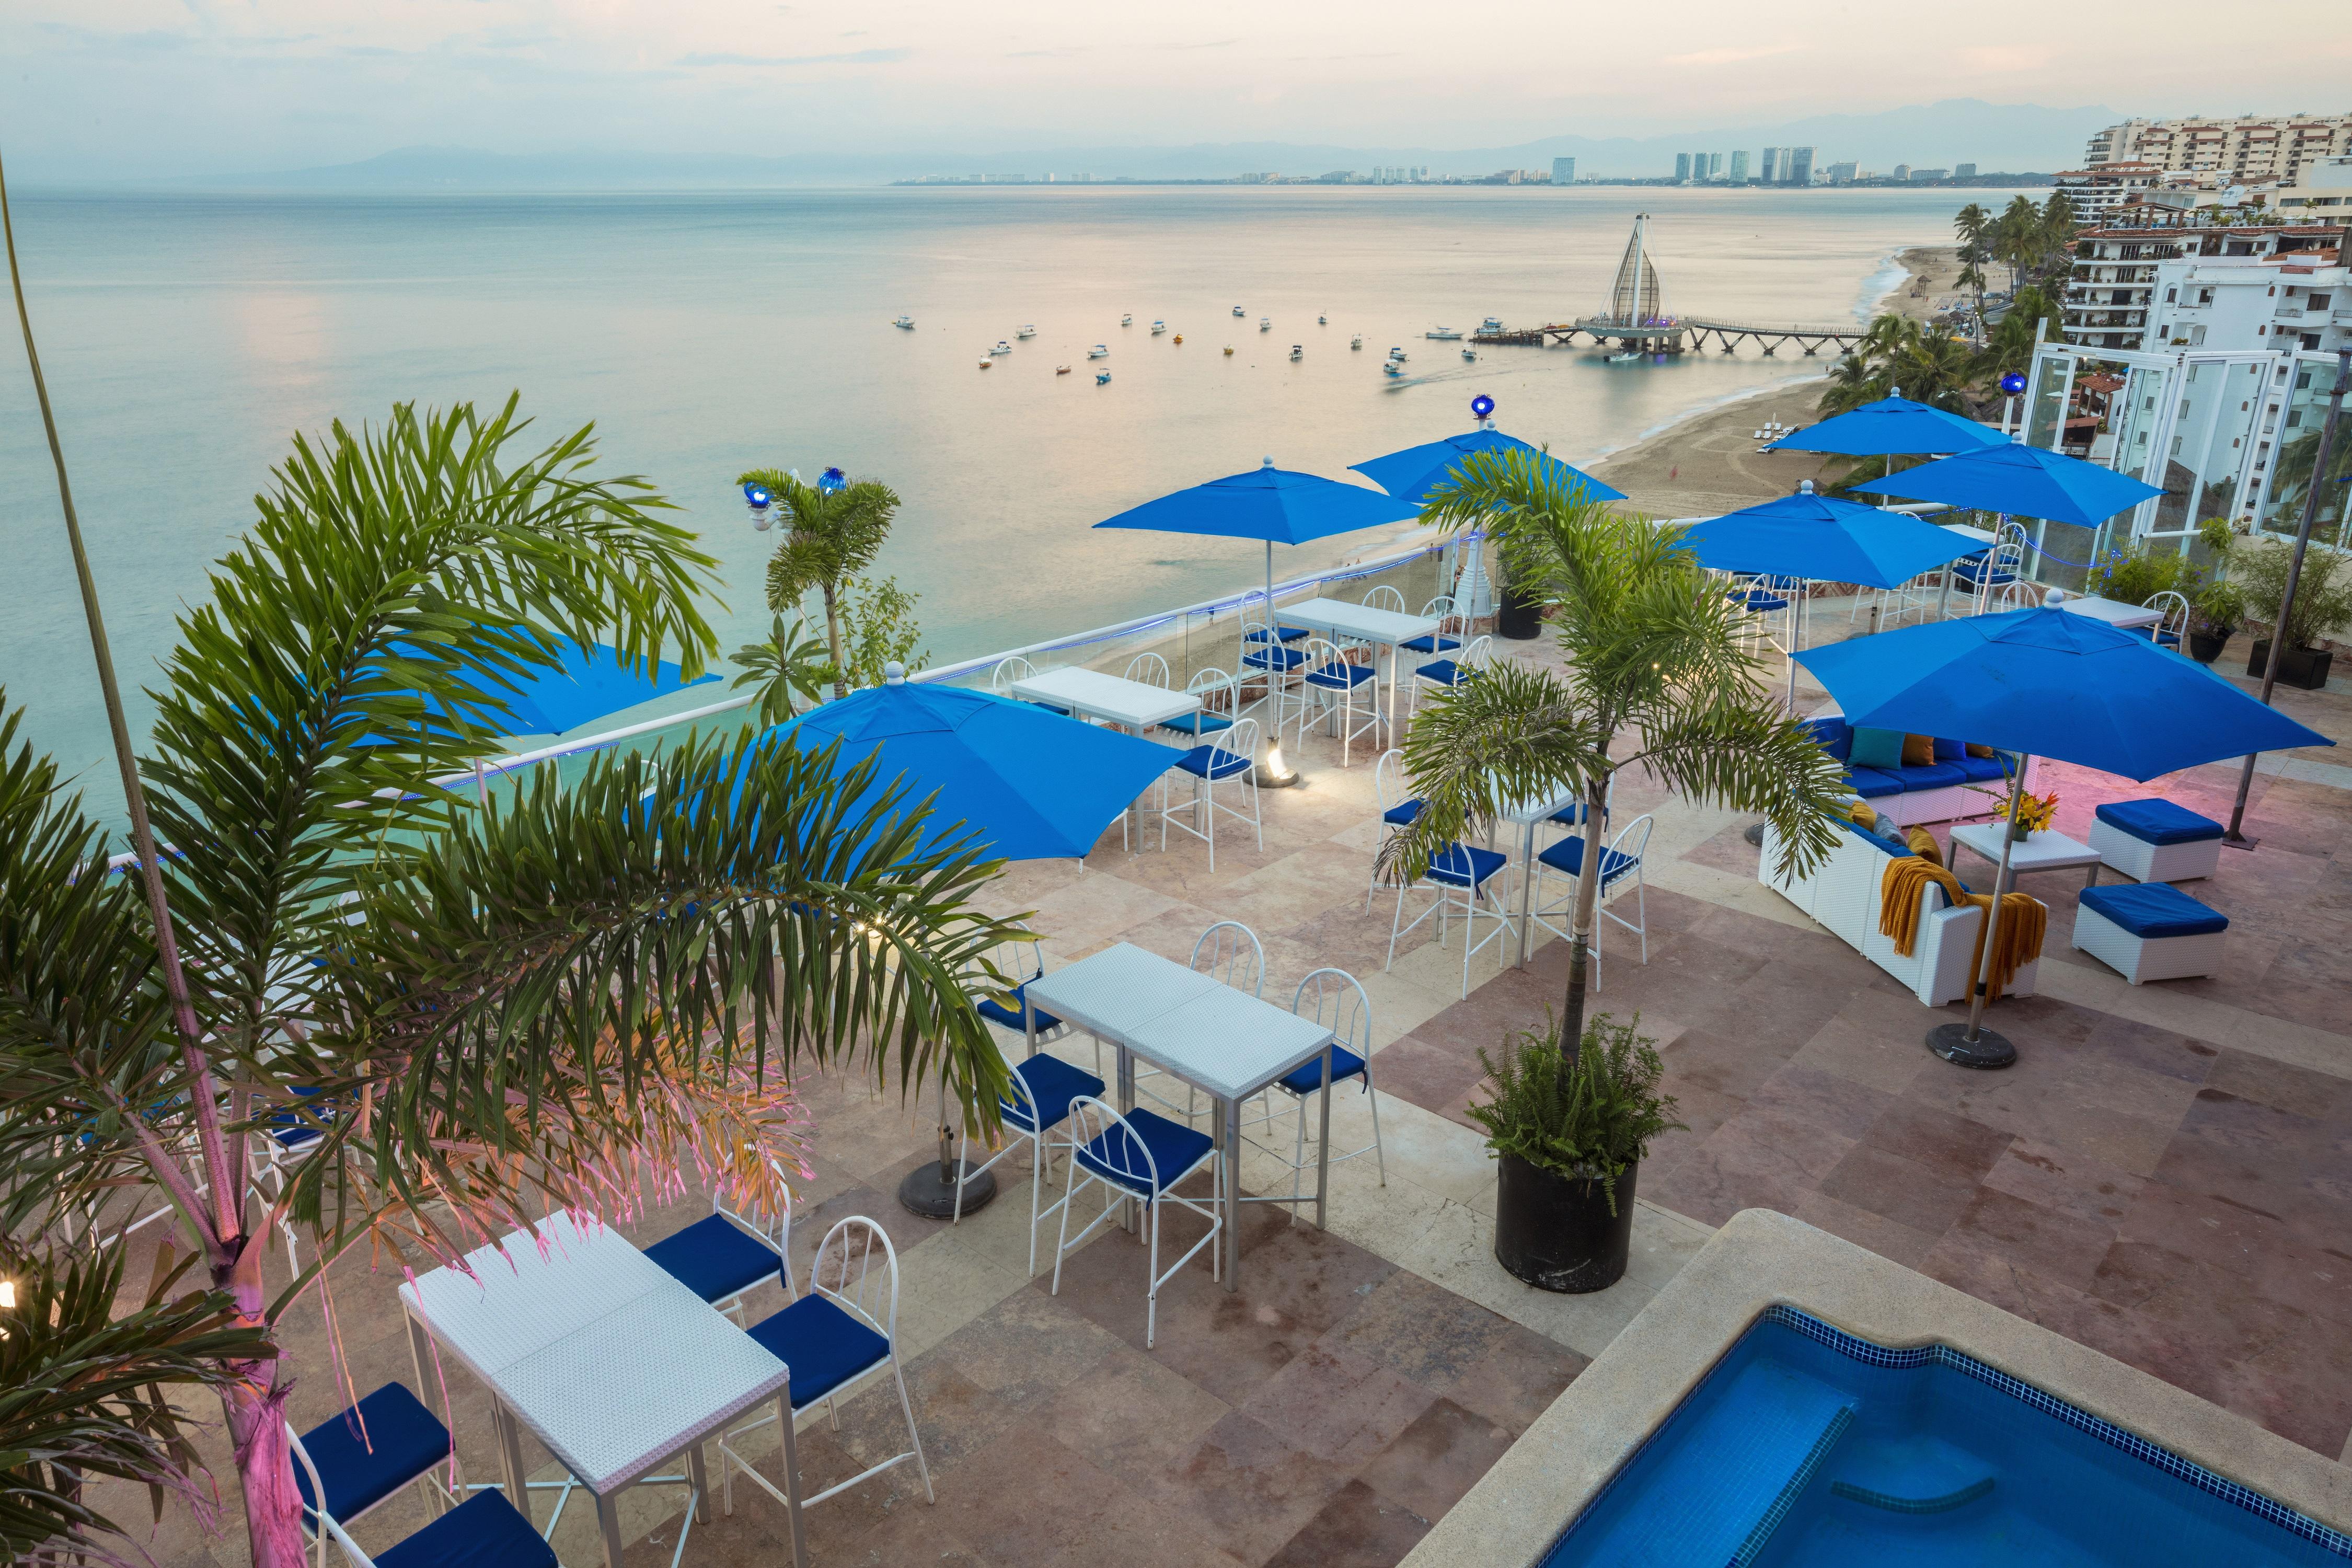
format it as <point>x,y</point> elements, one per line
<point>1357,342</point>
<point>1470,353</point>
<point>1102,378</point>
<point>1026,332</point>
<point>1393,370</point>
<point>1002,347</point>
<point>1061,370</point>
<point>1491,324</point>
<point>1443,334</point>
<point>1100,351</point>
<point>1298,351</point>
<point>1158,328</point>
<point>1628,357</point>
<point>1238,310</point>
<point>1266,323</point>
<point>1229,351</point>
<point>986,362</point>
<point>1127,321</point>
<point>1180,337</point>
<point>905,322</point>
<point>1397,354</point>
<point>1322,320</point>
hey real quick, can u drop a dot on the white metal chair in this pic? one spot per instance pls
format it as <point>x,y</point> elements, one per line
<point>1275,665</point>
<point>1012,668</point>
<point>833,1341</point>
<point>359,1458</point>
<point>2168,632</point>
<point>2012,595</point>
<point>1447,673</point>
<point>1446,638</point>
<point>1997,567</point>
<point>1227,757</point>
<point>1770,602</point>
<point>1150,670</point>
<point>1041,1092</point>
<point>1384,598</point>
<point>1468,871</point>
<point>725,1256</point>
<point>1328,677</point>
<point>1335,998</point>
<point>1141,1156</point>
<point>1220,702</point>
<point>1399,808</point>
<point>1621,867</point>
<point>1230,953</point>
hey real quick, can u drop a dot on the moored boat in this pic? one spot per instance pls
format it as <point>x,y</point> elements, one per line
<point>1470,353</point>
<point>1298,351</point>
<point>1061,370</point>
<point>905,322</point>
<point>1397,354</point>
<point>1443,334</point>
<point>1491,324</point>
<point>1100,351</point>
<point>1102,378</point>
<point>1357,342</point>
<point>1026,332</point>
<point>1127,321</point>
<point>1266,323</point>
<point>1238,310</point>
<point>1158,328</point>
<point>1002,347</point>
<point>1391,369</point>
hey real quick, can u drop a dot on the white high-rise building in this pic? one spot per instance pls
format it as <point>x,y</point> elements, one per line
<point>1563,171</point>
<point>2248,148</point>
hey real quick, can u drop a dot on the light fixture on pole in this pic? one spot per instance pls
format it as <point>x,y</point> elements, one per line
<point>757,501</point>
<point>2013,386</point>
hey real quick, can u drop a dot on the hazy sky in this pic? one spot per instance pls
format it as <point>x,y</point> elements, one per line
<point>128,88</point>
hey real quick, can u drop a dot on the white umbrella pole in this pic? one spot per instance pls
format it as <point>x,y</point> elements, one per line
<point>1973,1045</point>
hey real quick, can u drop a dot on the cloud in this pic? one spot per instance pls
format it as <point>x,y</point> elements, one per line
<point>1213,44</point>
<point>855,57</point>
<point>1729,56</point>
<point>2006,58</point>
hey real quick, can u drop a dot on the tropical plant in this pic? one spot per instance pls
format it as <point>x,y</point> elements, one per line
<point>1972,224</point>
<point>1587,1114</point>
<point>1899,354</point>
<point>480,1012</point>
<point>1652,650</point>
<point>789,665</point>
<point>879,628</point>
<point>2218,607</point>
<point>2011,347</point>
<point>833,530</point>
<point>2133,573</point>
<point>2323,593</point>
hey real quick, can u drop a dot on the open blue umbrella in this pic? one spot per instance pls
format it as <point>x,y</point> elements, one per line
<point>1890,426</point>
<point>2022,481</point>
<point>589,683</point>
<point>1824,540</point>
<point>1415,471</point>
<point>2046,682</point>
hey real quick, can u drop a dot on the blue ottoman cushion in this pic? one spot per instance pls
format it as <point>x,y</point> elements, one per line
<point>2158,821</point>
<point>2152,910</point>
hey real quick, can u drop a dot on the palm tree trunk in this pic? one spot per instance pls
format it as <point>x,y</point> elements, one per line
<point>255,1406</point>
<point>1588,902</point>
<point>832,641</point>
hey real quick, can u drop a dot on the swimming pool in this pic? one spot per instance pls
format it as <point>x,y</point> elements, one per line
<point>1806,1445</point>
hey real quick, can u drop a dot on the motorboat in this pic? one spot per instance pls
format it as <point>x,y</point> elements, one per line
<point>1397,354</point>
<point>1393,370</point>
<point>1002,347</point>
<point>1102,378</point>
<point>1100,351</point>
<point>1239,311</point>
<point>1266,323</point>
<point>1357,342</point>
<point>907,323</point>
<point>1158,328</point>
<point>1322,320</point>
<point>1229,351</point>
<point>1026,332</point>
<point>1298,351</point>
<point>1180,337</point>
<point>1628,357</point>
<point>1470,353</point>
<point>1442,334</point>
<point>1127,321</point>
<point>1061,370</point>
<point>1491,324</point>
<point>986,362</point>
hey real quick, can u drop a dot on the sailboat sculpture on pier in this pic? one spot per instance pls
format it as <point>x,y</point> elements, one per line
<point>1635,318</point>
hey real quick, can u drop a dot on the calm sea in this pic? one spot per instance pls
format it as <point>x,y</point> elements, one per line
<point>185,338</point>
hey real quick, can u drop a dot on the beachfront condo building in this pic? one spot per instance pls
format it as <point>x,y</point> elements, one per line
<point>2249,149</point>
<point>1740,167</point>
<point>2323,185</point>
<point>1563,171</point>
<point>1771,175</point>
<point>2100,191</point>
<point>1681,168</point>
<point>2259,289</point>
<point>1798,167</point>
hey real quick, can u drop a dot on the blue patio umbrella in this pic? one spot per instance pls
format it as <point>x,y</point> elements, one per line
<point>1824,540</point>
<point>2050,683</point>
<point>1891,426</point>
<point>2022,481</point>
<point>1413,472</point>
<point>590,681</point>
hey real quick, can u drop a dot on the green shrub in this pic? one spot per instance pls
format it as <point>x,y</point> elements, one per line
<point>2133,574</point>
<point>2323,597</point>
<point>1587,1119</point>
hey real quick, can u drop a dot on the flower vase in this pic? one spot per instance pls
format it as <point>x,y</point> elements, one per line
<point>2019,833</point>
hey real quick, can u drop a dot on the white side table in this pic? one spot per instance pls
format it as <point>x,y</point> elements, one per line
<point>2042,851</point>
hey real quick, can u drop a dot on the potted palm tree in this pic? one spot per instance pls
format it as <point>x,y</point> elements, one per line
<point>2323,604</point>
<point>1655,681</point>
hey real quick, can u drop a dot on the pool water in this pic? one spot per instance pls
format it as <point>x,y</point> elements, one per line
<point>1806,1445</point>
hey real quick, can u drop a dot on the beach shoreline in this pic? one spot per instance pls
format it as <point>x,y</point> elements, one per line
<point>1705,462</point>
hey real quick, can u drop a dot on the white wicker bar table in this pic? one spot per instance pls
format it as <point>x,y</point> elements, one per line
<point>607,1360</point>
<point>1226,1042</point>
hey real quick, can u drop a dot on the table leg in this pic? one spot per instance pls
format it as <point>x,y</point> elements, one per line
<point>1028,1022</point>
<point>608,1521</point>
<point>518,1479</point>
<point>2092,879</point>
<point>792,1477</point>
<point>1323,1149</point>
<point>1126,1073</point>
<point>698,1482</point>
<point>1229,1131</point>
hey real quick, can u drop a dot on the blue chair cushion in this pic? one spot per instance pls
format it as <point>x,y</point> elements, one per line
<point>1404,816</point>
<point>483,1532</point>
<point>1340,676</point>
<point>2158,821</point>
<point>1282,634</point>
<point>1568,855</point>
<point>1444,671</point>
<point>996,1012</point>
<point>715,1258</point>
<point>1892,846</point>
<point>1980,770</point>
<point>1174,1148</point>
<point>402,1441</point>
<point>1931,775</point>
<point>1459,865</point>
<point>1573,816</point>
<point>824,1346</point>
<point>1307,1077</point>
<point>1431,644</point>
<point>1871,782</point>
<point>1048,706</point>
<point>1876,749</point>
<point>1756,599</point>
<point>1052,1083</point>
<point>1197,724</point>
<point>1213,763</point>
<point>1283,660</point>
<point>2154,909</point>
<point>1835,735</point>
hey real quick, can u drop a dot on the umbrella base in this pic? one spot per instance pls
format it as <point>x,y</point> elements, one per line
<point>1266,778</point>
<point>1755,834</point>
<point>924,1192</point>
<point>1987,1051</point>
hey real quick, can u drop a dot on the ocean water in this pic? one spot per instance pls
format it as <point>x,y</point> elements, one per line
<point>186,338</point>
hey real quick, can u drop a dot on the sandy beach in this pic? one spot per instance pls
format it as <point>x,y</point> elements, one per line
<point>1708,462</point>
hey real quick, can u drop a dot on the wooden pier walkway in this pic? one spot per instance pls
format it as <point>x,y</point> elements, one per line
<point>1677,336</point>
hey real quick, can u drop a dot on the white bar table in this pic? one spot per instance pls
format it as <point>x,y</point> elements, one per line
<point>610,1362</point>
<point>1983,536</point>
<point>1223,1041</point>
<point>2115,612</point>
<point>1336,618</point>
<point>1526,813</point>
<point>1105,696</point>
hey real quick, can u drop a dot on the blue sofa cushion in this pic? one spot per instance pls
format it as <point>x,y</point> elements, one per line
<point>1932,776</point>
<point>1876,748</point>
<point>715,1258</point>
<point>1835,735</point>
<point>364,1459</point>
<point>824,1346</point>
<point>1174,1148</point>
<point>2149,909</point>
<point>1950,751</point>
<point>1980,770</point>
<point>1052,1084</point>
<point>2158,821</point>
<point>483,1532</point>
<point>1307,1076</point>
<point>1894,846</point>
<point>1870,782</point>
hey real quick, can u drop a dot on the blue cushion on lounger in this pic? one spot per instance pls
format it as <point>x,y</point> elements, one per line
<point>364,1459</point>
<point>824,1346</point>
<point>1402,815</point>
<point>1876,748</point>
<point>1305,1078</point>
<point>2158,821</point>
<point>1931,775</point>
<point>1870,782</point>
<point>1980,770</point>
<point>1835,735</point>
<point>714,1258</point>
<point>1568,855</point>
<point>483,1532</point>
<point>1052,1083</point>
<point>996,1012</point>
<point>1174,1148</point>
<point>2154,909</point>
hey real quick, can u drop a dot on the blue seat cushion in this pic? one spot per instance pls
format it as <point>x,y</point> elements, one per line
<point>1444,671</point>
<point>996,1012</point>
<point>365,1457</point>
<point>1212,761</point>
<point>1197,724</point>
<point>1283,660</point>
<point>1340,676</point>
<point>2158,821</point>
<point>1871,782</point>
<point>1306,1078</point>
<point>1404,816</point>
<point>824,1346</point>
<point>714,1258</point>
<point>1568,855</point>
<point>2154,909</point>
<point>1282,634</point>
<point>1980,770</point>
<point>1433,642</point>
<point>1052,1084</point>
<point>1894,846</point>
<point>1930,775</point>
<point>483,1532</point>
<point>1573,816</point>
<point>1174,1149</point>
<point>1835,735</point>
<point>1461,866</point>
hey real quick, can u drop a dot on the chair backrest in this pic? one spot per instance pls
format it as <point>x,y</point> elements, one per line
<point>1218,692</point>
<point>857,1285</point>
<point>1390,783</point>
<point>1320,652</point>
<point>1441,609</point>
<point>1149,669</point>
<point>2175,609</point>
<point>1384,598</point>
<point>1230,953</point>
<point>779,1235</point>
<point>1480,652</point>
<point>1253,631</point>
<point>2012,595</point>
<point>1009,668</point>
<point>1335,999</point>
<point>2009,548</point>
<point>1238,738</point>
<point>1096,1125</point>
<point>1633,837</point>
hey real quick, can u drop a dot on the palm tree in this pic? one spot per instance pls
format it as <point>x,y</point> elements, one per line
<point>789,665</point>
<point>2016,239</point>
<point>1655,681</point>
<point>833,530</point>
<point>1935,368</point>
<point>481,1010</point>
<point>1973,225</point>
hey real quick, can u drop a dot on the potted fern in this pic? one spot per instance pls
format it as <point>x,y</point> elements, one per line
<point>1569,1129</point>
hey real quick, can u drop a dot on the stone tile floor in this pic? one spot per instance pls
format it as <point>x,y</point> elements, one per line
<point>2166,1175</point>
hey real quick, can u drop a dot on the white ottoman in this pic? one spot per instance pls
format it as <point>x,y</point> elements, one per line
<point>2155,841</point>
<point>2151,931</point>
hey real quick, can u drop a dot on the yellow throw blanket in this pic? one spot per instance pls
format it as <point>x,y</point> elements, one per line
<point>2023,920</point>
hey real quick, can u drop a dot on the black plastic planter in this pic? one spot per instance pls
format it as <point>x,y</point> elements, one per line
<point>2305,669</point>
<point>1519,615</point>
<point>2206,647</point>
<point>1556,1233</point>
